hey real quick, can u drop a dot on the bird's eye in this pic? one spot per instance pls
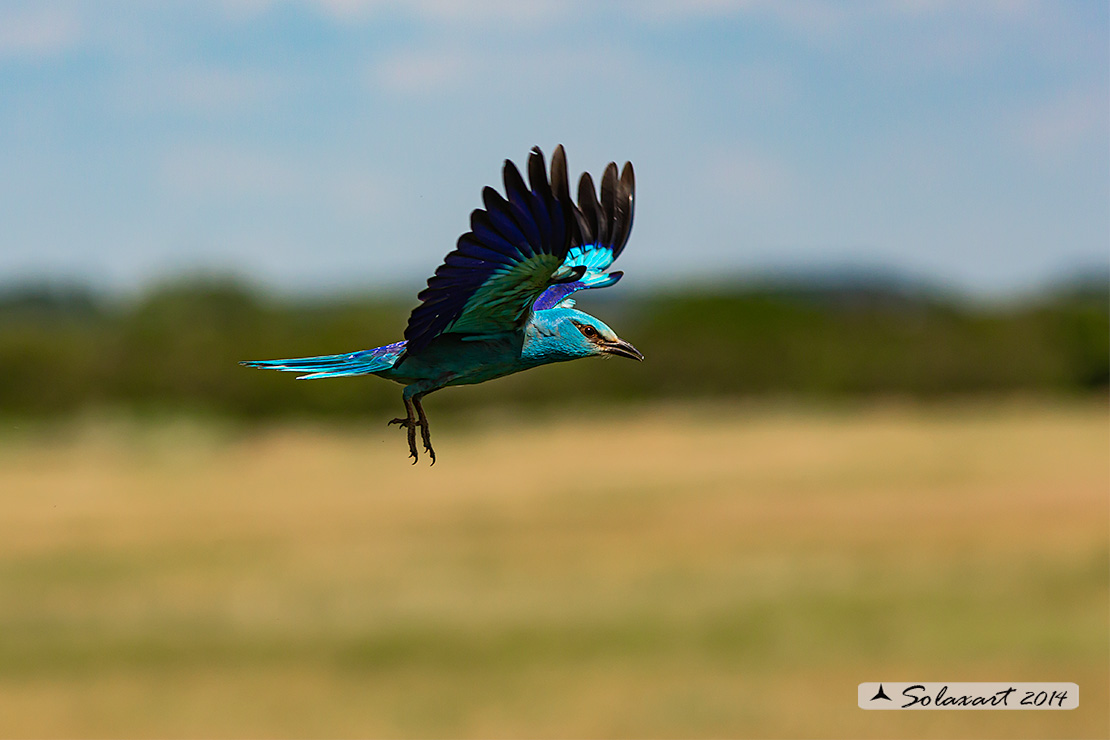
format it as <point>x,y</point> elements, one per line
<point>589,331</point>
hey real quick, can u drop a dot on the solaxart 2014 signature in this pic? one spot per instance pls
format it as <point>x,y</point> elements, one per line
<point>967,695</point>
<point>1000,699</point>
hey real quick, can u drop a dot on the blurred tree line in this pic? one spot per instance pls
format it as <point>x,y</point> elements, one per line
<point>66,349</point>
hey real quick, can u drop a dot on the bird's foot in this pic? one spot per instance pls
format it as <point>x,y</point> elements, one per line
<point>410,426</point>
<point>416,418</point>
<point>425,428</point>
<point>426,438</point>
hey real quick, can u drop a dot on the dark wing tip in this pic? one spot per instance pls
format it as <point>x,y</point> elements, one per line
<point>626,205</point>
<point>607,221</point>
<point>560,183</point>
<point>537,174</point>
<point>589,210</point>
<point>610,222</point>
<point>628,182</point>
<point>514,183</point>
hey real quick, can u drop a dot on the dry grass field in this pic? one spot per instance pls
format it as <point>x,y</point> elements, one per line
<point>668,572</point>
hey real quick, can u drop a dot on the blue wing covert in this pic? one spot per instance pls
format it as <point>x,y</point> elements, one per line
<point>602,230</point>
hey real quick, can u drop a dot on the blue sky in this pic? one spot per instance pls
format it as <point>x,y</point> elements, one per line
<point>342,144</point>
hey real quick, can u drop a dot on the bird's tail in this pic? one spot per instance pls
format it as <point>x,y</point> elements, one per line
<point>363,362</point>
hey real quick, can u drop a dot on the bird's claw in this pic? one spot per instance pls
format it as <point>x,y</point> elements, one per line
<point>425,436</point>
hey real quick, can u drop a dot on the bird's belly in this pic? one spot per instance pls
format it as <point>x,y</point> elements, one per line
<point>484,373</point>
<point>449,361</point>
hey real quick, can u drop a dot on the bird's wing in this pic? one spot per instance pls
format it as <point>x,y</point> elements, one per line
<point>516,248</point>
<point>602,231</point>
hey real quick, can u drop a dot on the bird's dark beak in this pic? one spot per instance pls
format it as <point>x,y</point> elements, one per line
<point>622,348</point>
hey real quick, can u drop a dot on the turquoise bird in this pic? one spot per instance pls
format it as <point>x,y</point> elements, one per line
<point>500,302</point>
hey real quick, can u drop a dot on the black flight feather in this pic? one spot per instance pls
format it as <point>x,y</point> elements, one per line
<point>510,230</point>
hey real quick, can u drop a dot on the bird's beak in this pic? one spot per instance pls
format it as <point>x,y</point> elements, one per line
<point>622,348</point>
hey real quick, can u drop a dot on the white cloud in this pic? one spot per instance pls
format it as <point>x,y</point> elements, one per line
<point>214,88</point>
<point>242,178</point>
<point>668,10</point>
<point>820,16</point>
<point>912,36</point>
<point>349,11</point>
<point>423,71</point>
<point>500,13</point>
<point>196,90</point>
<point>1066,125</point>
<point>745,179</point>
<point>243,10</point>
<point>433,68</point>
<point>38,31</point>
<point>221,173</point>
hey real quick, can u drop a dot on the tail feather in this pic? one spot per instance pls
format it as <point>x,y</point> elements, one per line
<point>363,362</point>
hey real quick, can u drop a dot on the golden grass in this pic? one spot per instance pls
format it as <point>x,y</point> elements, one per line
<point>672,572</point>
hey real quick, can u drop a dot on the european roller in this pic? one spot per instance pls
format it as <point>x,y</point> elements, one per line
<point>500,302</point>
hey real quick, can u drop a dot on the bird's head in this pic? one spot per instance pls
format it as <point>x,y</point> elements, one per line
<point>575,334</point>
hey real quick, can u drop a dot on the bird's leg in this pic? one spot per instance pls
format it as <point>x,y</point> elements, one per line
<point>409,423</point>
<point>425,429</point>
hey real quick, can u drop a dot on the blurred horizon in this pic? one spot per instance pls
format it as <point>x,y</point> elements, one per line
<point>176,347</point>
<point>333,145</point>
<point>1089,278</point>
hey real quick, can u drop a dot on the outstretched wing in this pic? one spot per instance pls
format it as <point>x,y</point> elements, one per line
<point>602,231</point>
<point>515,249</point>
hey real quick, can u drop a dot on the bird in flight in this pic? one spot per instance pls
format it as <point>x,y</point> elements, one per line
<point>500,302</point>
